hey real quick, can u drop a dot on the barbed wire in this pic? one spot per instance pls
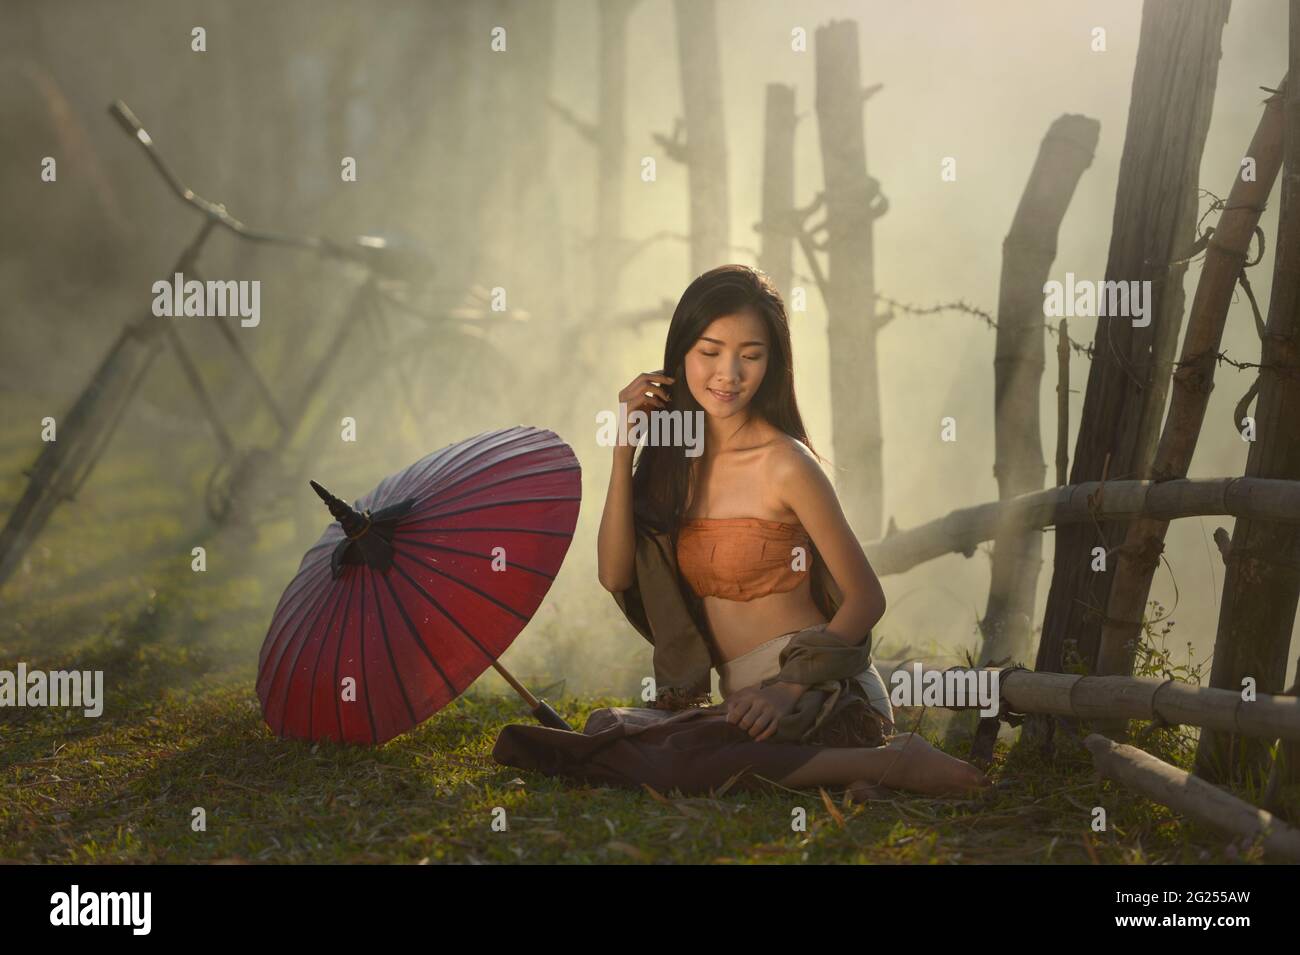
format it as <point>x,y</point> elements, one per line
<point>1086,350</point>
<point>1216,204</point>
<point>961,306</point>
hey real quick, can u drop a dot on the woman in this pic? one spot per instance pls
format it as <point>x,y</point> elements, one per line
<point>748,522</point>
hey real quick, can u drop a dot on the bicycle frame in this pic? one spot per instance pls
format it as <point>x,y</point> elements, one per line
<point>64,465</point>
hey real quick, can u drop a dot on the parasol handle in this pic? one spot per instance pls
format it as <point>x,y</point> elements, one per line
<point>540,708</point>
<point>548,717</point>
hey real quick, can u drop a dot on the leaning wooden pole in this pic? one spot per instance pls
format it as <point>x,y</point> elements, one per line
<point>1193,797</point>
<point>1262,583</point>
<point>853,202</point>
<point>1151,235</point>
<point>1028,252</point>
<point>964,529</point>
<point>1225,257</point>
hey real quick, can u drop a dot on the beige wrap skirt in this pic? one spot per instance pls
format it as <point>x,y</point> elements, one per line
<point>764,662</point>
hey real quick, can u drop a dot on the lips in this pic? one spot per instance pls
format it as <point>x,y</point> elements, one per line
<point>724,395</point>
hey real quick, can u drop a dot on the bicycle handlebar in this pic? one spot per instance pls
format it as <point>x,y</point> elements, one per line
<point>375,254</point>
<point>127,120</point>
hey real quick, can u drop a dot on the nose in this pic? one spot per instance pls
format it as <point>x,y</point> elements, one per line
<point>728,374</point>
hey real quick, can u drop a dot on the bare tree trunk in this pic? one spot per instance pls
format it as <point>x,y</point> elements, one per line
<point>608,248</point>
<point>523,237</point>
<point>611,249</point>
<point>1262,582</point>
<point>1027,255</point>
<point>776,256</point>
<point>1228,248</point>
<point>1154,221</point>
<point>488,156</point>
<point>853,203</point>
<point>706,140</point>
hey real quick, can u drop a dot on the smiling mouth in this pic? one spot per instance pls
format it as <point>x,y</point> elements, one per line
<point>723,395</point>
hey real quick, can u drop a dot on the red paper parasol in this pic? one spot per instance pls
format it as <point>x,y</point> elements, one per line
<point>417,589</point>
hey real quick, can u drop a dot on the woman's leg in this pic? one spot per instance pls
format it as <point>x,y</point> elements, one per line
<point>908,762</point>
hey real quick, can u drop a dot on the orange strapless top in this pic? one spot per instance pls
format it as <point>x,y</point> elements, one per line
<point>741,558</point>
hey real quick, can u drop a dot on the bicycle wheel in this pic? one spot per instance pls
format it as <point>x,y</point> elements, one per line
<point>64,464</point>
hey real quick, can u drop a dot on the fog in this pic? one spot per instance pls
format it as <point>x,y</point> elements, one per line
<point>456,147</point>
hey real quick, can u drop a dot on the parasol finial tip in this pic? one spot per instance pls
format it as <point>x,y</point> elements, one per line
<point>323,494</point>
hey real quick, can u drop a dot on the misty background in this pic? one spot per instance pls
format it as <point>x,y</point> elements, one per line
<point>469,152</point>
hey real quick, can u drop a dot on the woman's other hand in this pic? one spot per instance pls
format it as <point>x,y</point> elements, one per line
<point>757,710</point>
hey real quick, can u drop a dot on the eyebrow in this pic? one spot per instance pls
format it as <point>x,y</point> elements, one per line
<point>742,344</point>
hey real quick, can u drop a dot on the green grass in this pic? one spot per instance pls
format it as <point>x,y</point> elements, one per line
<point>123,789</point>
<point>109,586</point>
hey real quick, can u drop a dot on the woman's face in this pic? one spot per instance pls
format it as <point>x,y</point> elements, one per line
<point>726,364</point>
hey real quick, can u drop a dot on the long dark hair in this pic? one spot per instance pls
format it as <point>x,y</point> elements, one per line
<point>661,483</point>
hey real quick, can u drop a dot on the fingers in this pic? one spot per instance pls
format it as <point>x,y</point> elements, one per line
<point>753,714</point>
<point>764,721</point>
<point>658,377</point>
<point>757,715</point>
<point>654,391</point>
<point>736,708</point>
<point>647,389</point>
<point>651,379</point>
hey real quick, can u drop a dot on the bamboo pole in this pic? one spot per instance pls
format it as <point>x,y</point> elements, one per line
<point>1261,585</point>
<point>964,529</point>
<point>1193,797</point>
<point>1123,698</point>
<point>1153,229</point>
<point>1062,403</point>
<point>1228,249</point>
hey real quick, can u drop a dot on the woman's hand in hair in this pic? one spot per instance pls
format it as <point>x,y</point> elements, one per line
<point>646,392</point>
<point>616,541</point>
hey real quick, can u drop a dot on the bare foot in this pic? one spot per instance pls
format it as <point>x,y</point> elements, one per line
<point>920,767</point>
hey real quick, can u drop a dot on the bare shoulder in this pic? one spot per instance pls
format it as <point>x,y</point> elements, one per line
<point>793,471</point>
<point>790,457</point>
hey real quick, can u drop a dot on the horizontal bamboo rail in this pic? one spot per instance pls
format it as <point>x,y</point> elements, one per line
<point>964,529</point>
<point>1134,698</point>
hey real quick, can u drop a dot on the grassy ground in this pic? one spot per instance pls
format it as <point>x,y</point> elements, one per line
<point>109,586</point>
<point>124,789</point>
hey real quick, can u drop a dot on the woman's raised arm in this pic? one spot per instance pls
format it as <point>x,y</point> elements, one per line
<point>616,543</point>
